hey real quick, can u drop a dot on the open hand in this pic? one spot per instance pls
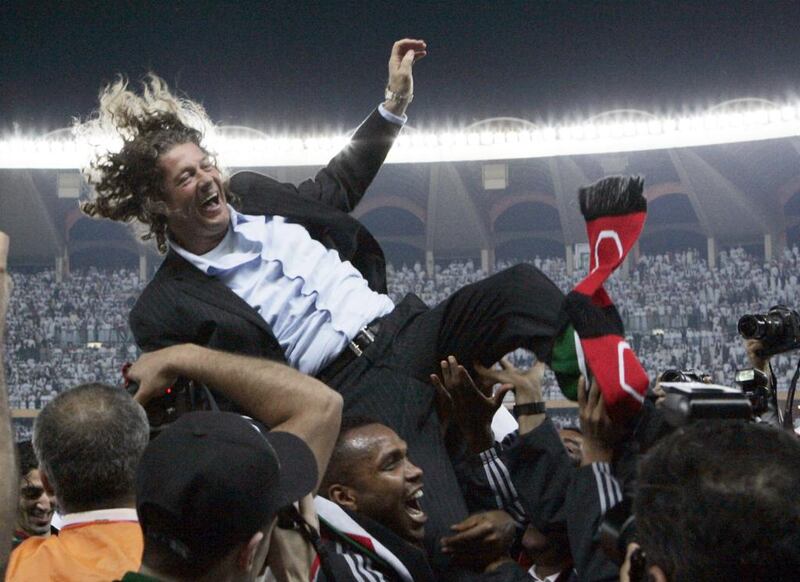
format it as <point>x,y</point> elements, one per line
<point>480,539</point>
<point>527,384</point>
<point>405,53</point>
<point>471,408</point>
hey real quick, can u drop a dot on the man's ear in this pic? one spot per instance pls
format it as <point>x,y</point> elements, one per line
<point>48,488</point>
<point>656,574</point>
<point>343,496</point>
<point>246,556</point>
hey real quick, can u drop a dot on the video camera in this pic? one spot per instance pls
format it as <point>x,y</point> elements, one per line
<point>688,397</point>
<point>689,401</point>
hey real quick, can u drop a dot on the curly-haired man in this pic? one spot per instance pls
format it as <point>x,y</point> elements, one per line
<point>284,272</point>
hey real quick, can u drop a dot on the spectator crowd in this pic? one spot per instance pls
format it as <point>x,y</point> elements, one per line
<point>678,312</point>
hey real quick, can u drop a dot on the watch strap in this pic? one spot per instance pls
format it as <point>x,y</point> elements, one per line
<point>530,408</point>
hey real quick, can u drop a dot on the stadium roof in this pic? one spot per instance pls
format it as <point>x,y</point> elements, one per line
<point>483,201</point>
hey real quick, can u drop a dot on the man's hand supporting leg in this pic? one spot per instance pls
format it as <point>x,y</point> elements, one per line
<point>273,393</point>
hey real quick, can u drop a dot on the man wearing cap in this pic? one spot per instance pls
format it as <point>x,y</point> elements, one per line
<point>208,491</point>
<point>209,487</point>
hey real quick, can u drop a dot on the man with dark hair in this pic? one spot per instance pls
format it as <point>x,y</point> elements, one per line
<point>370,514</point>
<point>35,508</point>
<point>371,520</point>
<point>720,501</point>
<point>88,441</point>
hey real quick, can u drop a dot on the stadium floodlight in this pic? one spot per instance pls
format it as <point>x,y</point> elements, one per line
<point>494,139</point>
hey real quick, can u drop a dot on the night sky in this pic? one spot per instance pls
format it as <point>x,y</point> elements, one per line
<point>303,65</point>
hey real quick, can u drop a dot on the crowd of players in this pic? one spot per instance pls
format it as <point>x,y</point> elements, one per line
<point>678,312</point>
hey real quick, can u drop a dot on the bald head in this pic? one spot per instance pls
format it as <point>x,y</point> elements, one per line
<point>88,441</point>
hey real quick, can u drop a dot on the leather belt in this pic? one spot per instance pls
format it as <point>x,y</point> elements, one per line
<point>355,349</point>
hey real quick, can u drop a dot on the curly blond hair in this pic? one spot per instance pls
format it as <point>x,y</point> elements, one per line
<point>128,184</point>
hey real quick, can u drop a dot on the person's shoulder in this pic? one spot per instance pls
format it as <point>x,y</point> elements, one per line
<point>74,554</point>
<point>31,557</point>
<point>137,577</point>
<point>164,278</point>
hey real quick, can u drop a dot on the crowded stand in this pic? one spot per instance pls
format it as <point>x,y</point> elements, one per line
<point>678,312</point>
<point>64,332</point>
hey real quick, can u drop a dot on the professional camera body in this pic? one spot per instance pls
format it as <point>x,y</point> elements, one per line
<point>689,401</point>
<point>182,397</point>
<point>689,396</point>
<point>756,386</point>
<point>675,375</point>
<point>778,329</point>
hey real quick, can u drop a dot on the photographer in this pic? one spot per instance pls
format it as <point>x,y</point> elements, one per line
<point>766,335</point>
<point>759,362</point>
<point>270,392</point>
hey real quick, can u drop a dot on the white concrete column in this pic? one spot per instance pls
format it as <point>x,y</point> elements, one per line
<point>487,260</point>
<point>65,264</point>
<point>712,252</point>
<point>570,256</point>
<point>59,269</point>
<point>429,263</point>
<point>768,249</point>
<point>143,277</point>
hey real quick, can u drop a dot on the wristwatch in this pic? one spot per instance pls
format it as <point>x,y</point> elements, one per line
<point>530,408</point>
<point>390,95</point>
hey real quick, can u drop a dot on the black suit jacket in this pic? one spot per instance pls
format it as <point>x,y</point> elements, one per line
<point>182,304</point>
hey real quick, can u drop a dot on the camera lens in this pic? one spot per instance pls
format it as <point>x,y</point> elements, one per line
<point>672,376</point>
<point>752,327</point>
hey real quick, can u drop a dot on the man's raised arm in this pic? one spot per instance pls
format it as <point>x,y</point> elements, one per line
<point>347,176</point>
<point>277,395</point>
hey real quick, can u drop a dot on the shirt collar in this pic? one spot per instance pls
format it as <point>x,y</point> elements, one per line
<point>231,251</point>
<point>113,514</point>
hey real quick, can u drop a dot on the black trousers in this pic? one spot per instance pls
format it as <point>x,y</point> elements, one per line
<point>519,307</point>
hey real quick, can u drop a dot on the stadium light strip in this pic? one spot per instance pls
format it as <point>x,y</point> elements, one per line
<point>637,133</point>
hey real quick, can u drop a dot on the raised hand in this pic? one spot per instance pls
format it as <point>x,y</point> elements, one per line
<point>600,433</point>
<point>469,406</point>
<point>405,53</point>
<point>527,384</point>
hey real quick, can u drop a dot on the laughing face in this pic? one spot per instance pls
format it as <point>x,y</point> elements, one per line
<point>35,508</point>
<point>386,486</point>
<point>197,210</point>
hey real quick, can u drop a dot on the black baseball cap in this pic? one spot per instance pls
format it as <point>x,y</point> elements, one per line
<point>213,479</point>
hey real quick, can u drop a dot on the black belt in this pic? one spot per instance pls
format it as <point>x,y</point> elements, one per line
<point>354,349</point>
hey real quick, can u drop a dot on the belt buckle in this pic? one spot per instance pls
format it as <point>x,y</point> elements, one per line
<point>354,347</point>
